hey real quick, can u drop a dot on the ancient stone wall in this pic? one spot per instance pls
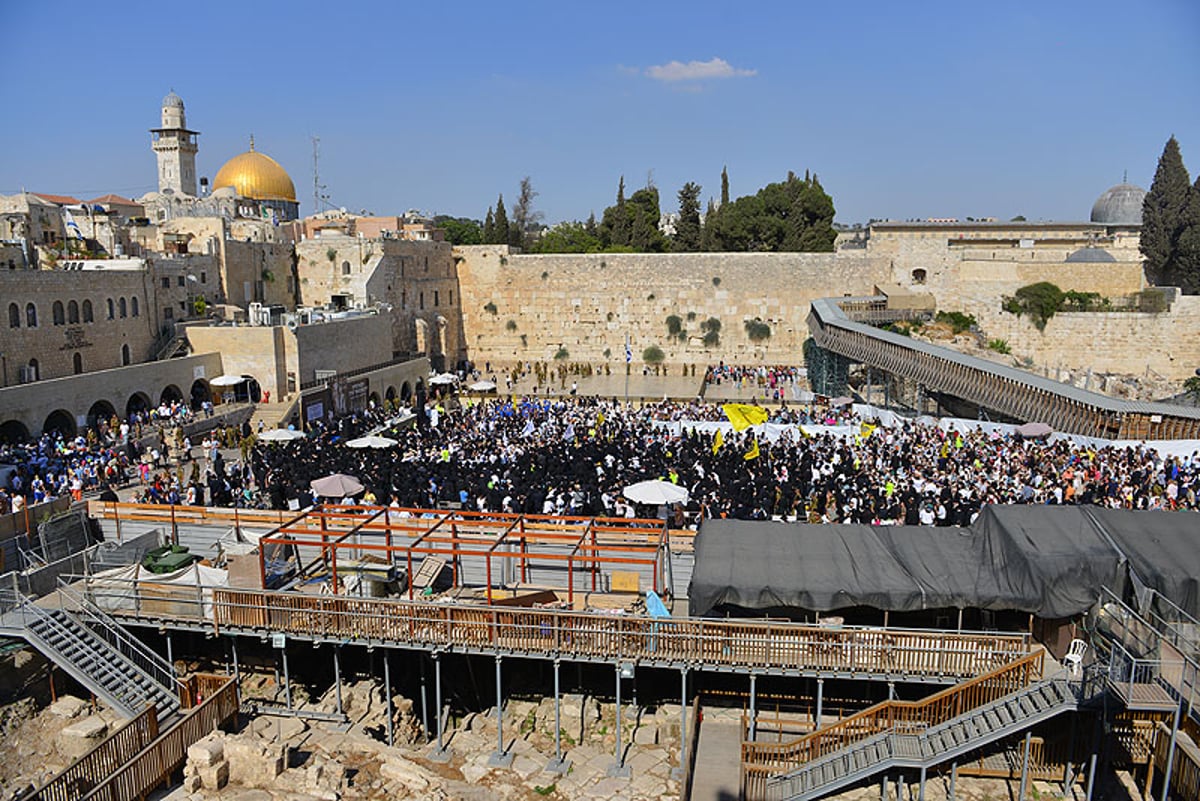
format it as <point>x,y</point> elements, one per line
<point>526,307</point>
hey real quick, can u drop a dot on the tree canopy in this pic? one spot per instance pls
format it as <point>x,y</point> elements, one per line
<point>1163,216</point>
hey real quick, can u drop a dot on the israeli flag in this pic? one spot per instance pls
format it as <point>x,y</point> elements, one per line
<point>71,224</point>
<point>628,351</point>
<point>525,432</point>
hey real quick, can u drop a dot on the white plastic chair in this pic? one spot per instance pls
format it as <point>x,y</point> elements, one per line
<point>1073,658</point>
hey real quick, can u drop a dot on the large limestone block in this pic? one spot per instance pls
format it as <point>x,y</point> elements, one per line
<point>206,753</point>
<point>80,737</point>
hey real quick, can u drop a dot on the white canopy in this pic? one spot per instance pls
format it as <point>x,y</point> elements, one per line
<point>280,435</point>
<point>482,386</point>
<point>227,380</point>
<point>656,492</point>
<point>377,442</point>
<point>444,379</point>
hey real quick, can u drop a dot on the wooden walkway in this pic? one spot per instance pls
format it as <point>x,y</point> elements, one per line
<point>718,760</point>
<point>1007,390</point>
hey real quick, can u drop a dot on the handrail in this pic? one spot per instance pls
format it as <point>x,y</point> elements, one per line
<point>155,763</point>
<point>904,717</point>
<point>133,649</point>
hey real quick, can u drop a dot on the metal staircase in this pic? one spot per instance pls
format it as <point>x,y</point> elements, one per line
<point>904,747</point>
<point>96,651</point>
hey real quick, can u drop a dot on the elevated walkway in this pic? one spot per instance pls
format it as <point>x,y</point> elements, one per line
<point>718,749</point>
<point>1007,390</point>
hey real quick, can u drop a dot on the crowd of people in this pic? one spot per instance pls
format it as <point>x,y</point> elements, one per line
<point>574,456</point>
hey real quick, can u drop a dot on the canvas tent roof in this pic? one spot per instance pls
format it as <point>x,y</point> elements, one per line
<point>1049,561</point>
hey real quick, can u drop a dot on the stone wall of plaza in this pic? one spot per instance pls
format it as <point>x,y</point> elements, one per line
<point>85,319</point>
<point>75,399</point>
<point>588,304</point>
<point>282,360</point>
<point>419,280</point>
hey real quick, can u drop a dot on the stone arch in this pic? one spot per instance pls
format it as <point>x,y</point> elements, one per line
<point>73,312</point>
<point>133,302</point>
<point>88,315</point>
<point>406,392</point>
<point>138,402</point>
<point>14,316</point>
<point>390,393</point>
<point>111,309</point>
<point>126,356</point>
<point>170,393</point>
<point>14,432</point>
<point>123,307</point>
<point>919,275</point>
<point>101,410</point>
<point>200,393</point>
<point>77,363</point>
<point>58,313</point>
<point>60,420</point>
<point>31,315</point>
<point>373,400</point>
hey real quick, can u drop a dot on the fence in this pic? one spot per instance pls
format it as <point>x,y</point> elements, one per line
<point>154,764</point>
<point>92,768</point>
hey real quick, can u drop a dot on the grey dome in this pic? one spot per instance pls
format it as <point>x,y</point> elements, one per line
<point>1091,254</point>
<point>1121,205</point>
<point>172,100</point>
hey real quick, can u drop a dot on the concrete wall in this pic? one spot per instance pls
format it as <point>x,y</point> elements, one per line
<point>31,404</point>
<point>268,353</point>
<point>343,345</point>
<point>588,304</point>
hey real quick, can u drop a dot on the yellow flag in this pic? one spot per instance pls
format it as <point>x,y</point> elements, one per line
<point>743,415</point>
<point>600,418</point>
<point>718,441</point>
<point>753,452</point>
<point>867,430</point>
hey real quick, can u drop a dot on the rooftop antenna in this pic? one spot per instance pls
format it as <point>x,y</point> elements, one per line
<point>317,185</point>
<point>1125,177</point>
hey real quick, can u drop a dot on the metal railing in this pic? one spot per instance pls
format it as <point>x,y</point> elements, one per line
<point>82,775</point>
<point>133,649</point>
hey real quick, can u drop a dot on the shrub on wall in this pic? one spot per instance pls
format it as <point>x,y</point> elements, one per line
<point>489,307</point>
<point>561,354</point>
<point>511,325</point>
<point>757,330</point>
<point>958,321</point>
<point>1040,301</point>
<point>653,355</point>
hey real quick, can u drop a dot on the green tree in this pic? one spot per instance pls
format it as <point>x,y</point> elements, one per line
<point>793,215</point>
<point>724,185</point>
<point>460,230</point>
<point>489,228</point>
<point>644,215</point>
<point>1162,215</point>
<point>567,237</point>
<point>653,355</point>
<point>1187,249</point>
<point>500,224</point>
<point>687,228</point>
<point>525,219</point>
<point>614,223</point>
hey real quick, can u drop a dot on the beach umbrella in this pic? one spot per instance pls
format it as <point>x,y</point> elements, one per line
<point>445,379</point>
<point>656,493</point>
<point>227,380</point>
<point>841,400</point>
<point>1034,430</point>
<point>377,442</point>
<point>280,435</point>
<point>337,485</point>
<point>482,386</point>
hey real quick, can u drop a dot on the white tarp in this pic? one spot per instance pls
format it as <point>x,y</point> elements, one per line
<point>116,589</point>
<point>240,543</point>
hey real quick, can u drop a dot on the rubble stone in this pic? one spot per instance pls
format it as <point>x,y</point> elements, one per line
<point>206,753</point>
<point>214,777</point>
<point>80,737</point>
<point>68,707</point>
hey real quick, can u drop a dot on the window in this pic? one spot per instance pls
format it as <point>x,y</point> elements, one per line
<point>451,301</point>
<point>181,282</point>
<point>59,313</point>
<point>14,316</point>
<point>404,298</point>
<point>111,314</point>
<point>345,268</point>
<point>77,363</point>
<point>125,355</point>
<point>72,312</point>
<point>421,299</point>
<point>168,313</point>
<point>203,277</point>
<point>918,276</point>
<point>166,282</point>
<point>31,315</point>
<point>34,369</point>
<point>124,307</point>
<point>435,298</point>
<point>87,312</point>
<point>134,303</point>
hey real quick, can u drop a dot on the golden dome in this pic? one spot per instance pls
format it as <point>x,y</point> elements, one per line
<point>256,176</point>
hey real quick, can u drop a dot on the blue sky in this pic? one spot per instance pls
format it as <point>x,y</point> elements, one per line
<point>904,109</point>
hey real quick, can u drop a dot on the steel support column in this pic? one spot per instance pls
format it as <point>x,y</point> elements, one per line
<point>441,753</point>
<point>558,764</point>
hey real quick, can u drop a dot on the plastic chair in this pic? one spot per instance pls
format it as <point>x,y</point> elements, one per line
<point>1073,658</point>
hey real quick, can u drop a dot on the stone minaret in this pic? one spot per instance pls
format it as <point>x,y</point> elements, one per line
<point>175,146</point>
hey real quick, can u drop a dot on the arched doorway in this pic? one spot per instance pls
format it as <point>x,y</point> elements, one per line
<point>200,393</point>
<point>14,432</point>
<point>61,421</point>
<point>138,402</point>
<point>373,400</point>
<point>170,394</point>
<point>101,410</point>
<point>405,392</point>
<point>249,391</point>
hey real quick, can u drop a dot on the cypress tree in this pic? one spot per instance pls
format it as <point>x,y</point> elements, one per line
<point>1162,215</point>
<point>724,185</point>
<point>489,228</point>
<point>1187,250</point>
<point>500,224</point>
<point>687,229</point>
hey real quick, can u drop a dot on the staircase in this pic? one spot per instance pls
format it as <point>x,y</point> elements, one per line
<point>898,748</point>
<point>96,651</point>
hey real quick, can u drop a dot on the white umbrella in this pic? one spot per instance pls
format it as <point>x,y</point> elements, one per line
<point>280,435</point>
<point>227,380</point>
<point>444,378</point>
<point>337,485</point>
<point>656,492</point>
<point>482,386</point>
<point>372,441</point>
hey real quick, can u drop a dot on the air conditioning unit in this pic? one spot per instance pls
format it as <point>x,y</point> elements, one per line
<point>256,316</point>
<point>291,321</point>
